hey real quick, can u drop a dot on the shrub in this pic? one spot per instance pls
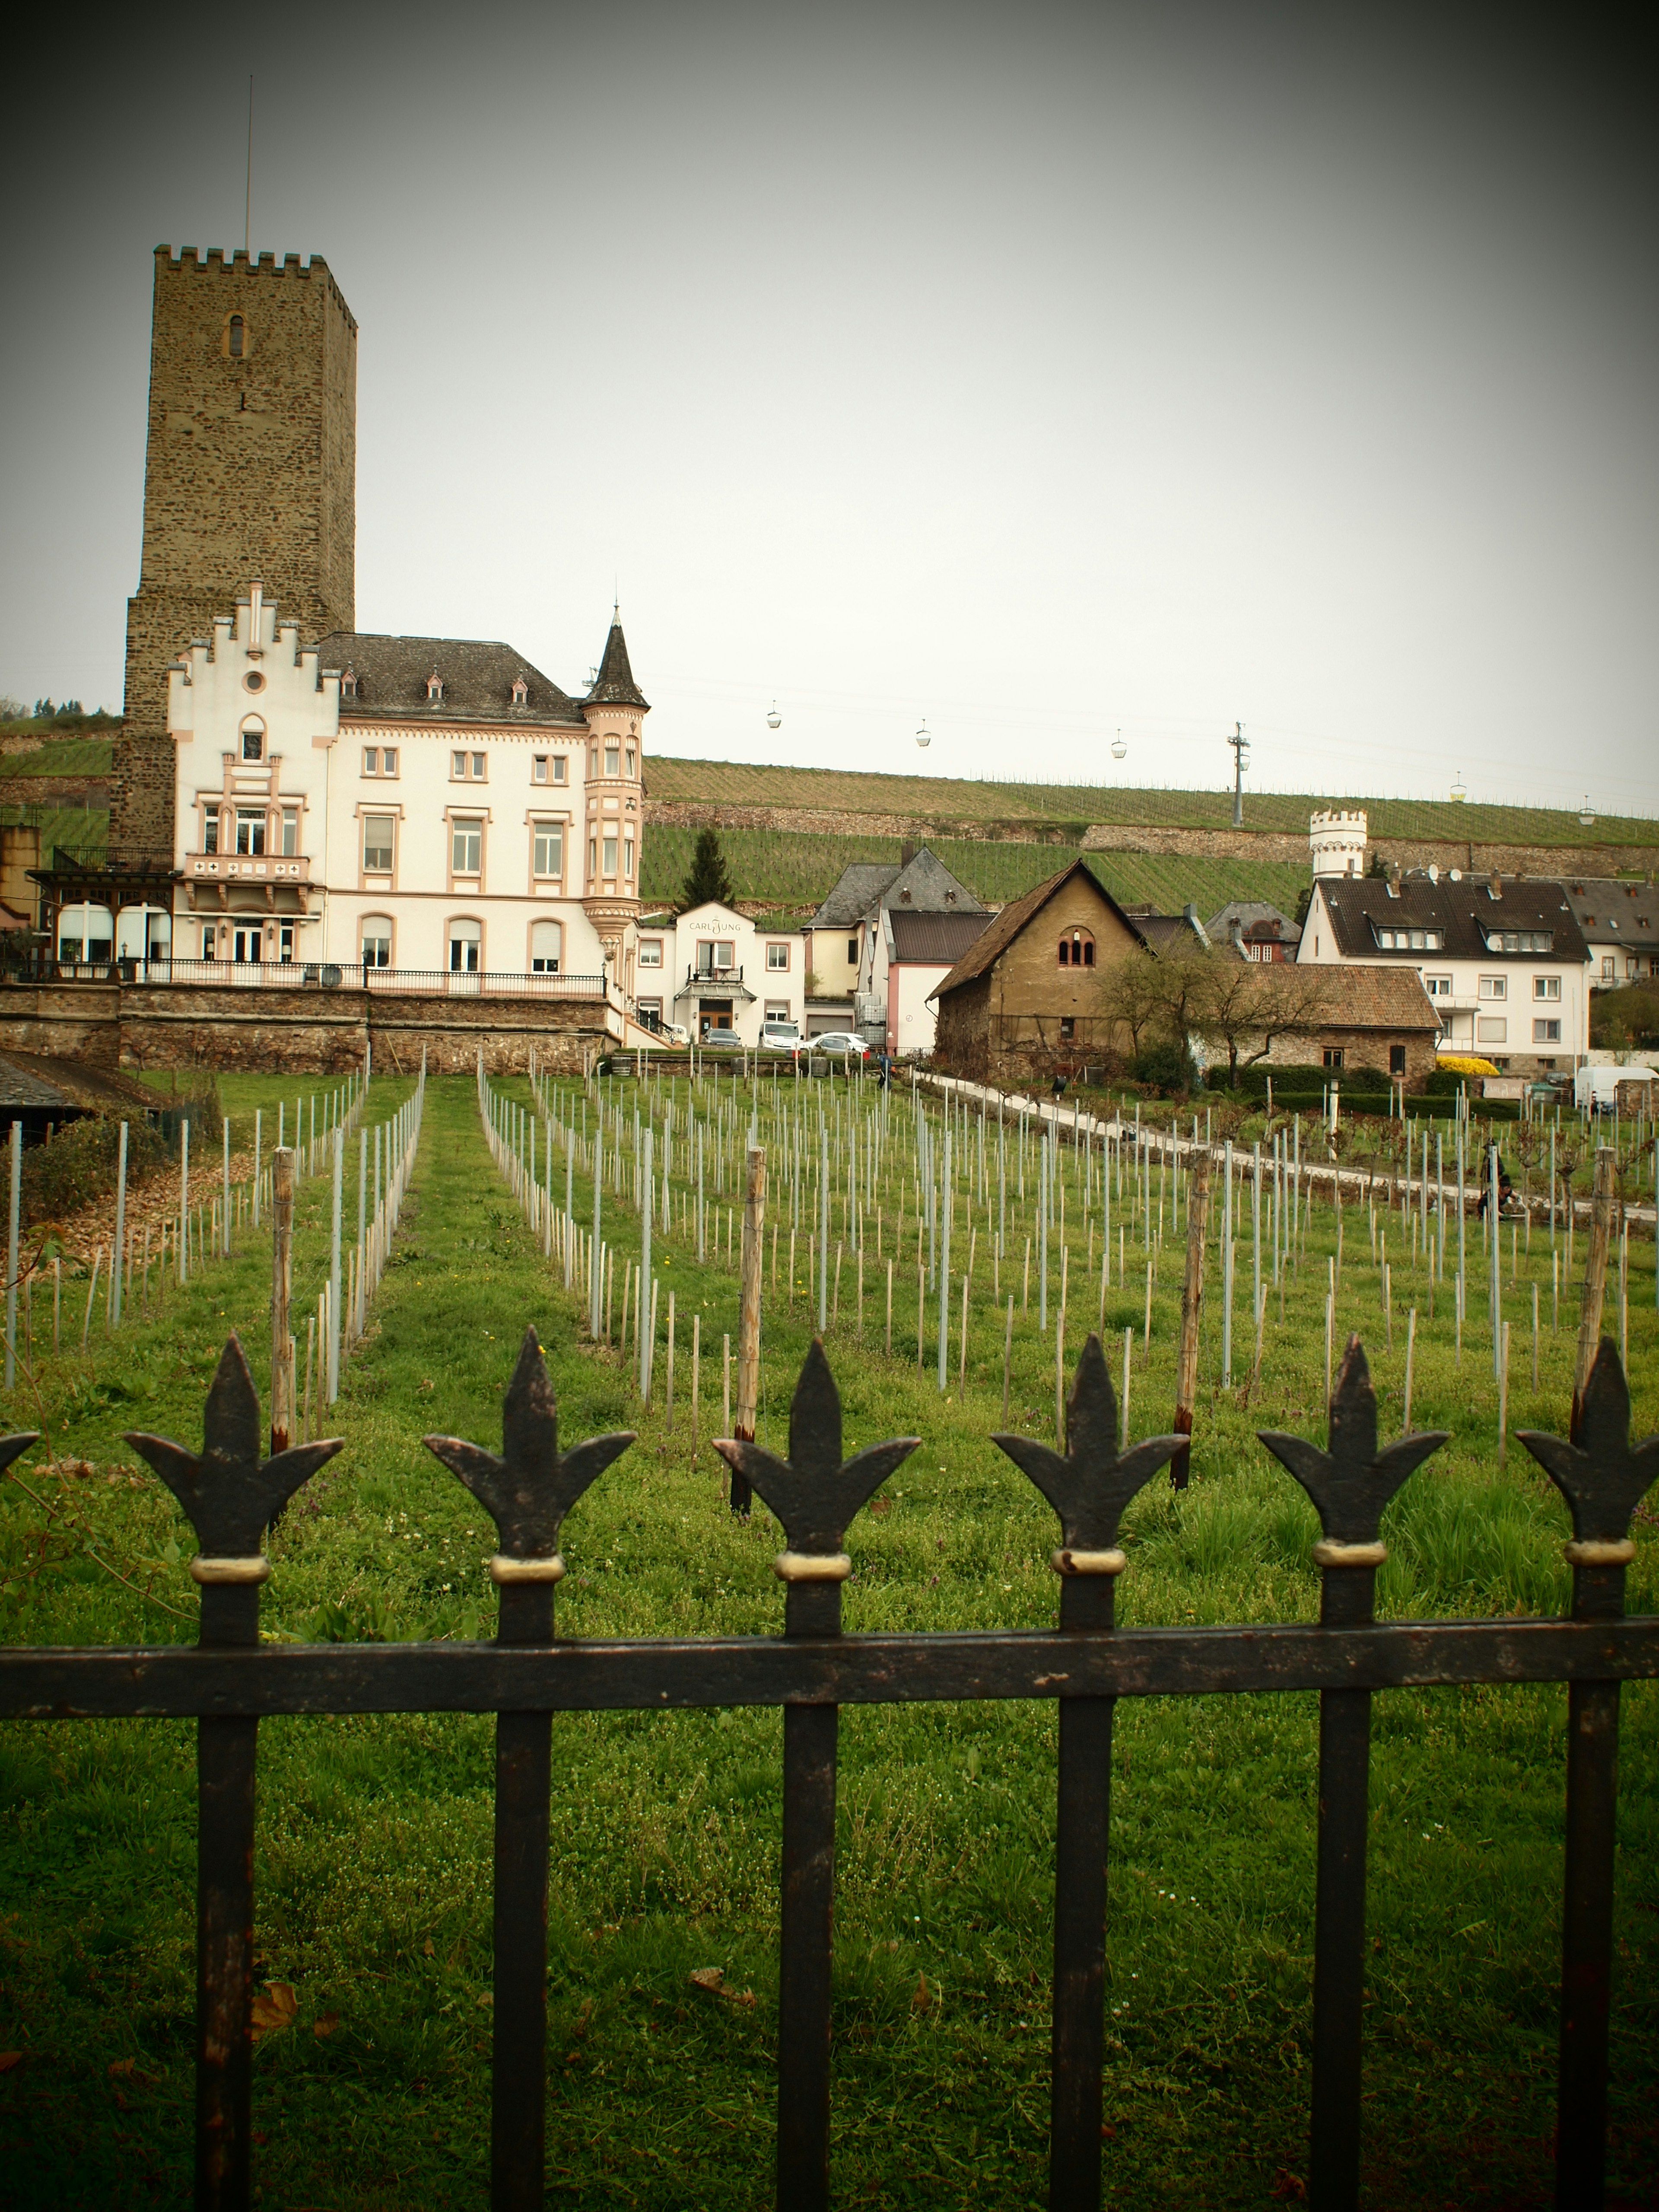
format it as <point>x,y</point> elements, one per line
<point>1167,1069</point>
<point>81,1164</point>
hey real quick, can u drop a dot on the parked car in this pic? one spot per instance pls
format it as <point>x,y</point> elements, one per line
<point>780,1036</point>
<point>722,1041</point>
<point>840,1044</point>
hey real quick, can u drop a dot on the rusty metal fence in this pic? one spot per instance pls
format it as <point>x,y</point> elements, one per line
<point>229,1681</point>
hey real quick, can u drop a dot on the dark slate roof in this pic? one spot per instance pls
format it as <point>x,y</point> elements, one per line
<point>1002,928</point>
<point>1164,932</point>
<point>477,674</point>
<point>856,895</point>
<point>939,939</point>
<point>1256,919</point>
<point>1466,911</point>
<point>922,884</point>
<point>925,885</point>
<point>1609,912</point>
<point>614,685</point>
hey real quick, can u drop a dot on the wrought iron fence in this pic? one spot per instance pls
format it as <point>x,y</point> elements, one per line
<point>229,1679</point>
<point>39,967</point>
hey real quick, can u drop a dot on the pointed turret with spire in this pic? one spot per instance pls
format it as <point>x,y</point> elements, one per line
<point>614,710</point>
<point>614,685</point>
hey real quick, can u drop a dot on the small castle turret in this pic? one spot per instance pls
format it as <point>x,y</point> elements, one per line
<point>1336,839</point>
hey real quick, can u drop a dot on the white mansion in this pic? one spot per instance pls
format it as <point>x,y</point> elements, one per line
<point>427,805</point>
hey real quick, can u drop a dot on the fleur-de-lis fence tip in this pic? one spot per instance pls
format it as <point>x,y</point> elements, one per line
<point>1090,1483</point>
<point>530,1486</point>
<point>1350,1483</point>
<point>1600,1473</point>
<point>815,1492</point>
<point>228,1491</point>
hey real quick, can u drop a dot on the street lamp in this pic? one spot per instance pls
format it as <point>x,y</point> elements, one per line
<point>1241,762</point>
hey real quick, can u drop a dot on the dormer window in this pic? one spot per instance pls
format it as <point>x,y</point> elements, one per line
<point>520,692</point>
<point>349,684</point>
<point>434,687</point>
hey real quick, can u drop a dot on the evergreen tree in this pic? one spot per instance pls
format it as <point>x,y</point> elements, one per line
<point>706,877</point>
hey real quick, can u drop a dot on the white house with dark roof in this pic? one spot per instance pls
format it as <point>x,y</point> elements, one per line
<point>1619,919</point>
<point>436,806</point>
<point>1504,962</point>
<point>850,949</point>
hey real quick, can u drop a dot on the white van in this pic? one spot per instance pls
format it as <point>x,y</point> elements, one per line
<point>1604,1089</point>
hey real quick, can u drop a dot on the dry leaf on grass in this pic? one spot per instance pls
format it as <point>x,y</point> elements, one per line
<point>325,2023</point>
<point>274,2008</point>
<point>712,1979</point>
<point>923,1998</point>
<point>8,2059</point>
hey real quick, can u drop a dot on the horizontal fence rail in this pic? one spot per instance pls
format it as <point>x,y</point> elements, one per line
<point>229,1679</point>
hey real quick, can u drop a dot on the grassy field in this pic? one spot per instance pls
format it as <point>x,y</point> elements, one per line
<point>795,869</point>
<point>373,1845</point>
<point>1020,805</point>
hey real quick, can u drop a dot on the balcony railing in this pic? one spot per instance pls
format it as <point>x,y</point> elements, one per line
<point>247,867</point>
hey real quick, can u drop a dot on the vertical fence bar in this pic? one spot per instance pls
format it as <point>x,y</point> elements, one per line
<point>1346,1600</point>
<point>524,1775</point>
<point>1083,1826</point>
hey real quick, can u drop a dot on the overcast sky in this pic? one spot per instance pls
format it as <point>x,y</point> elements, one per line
<point>1038,371</point>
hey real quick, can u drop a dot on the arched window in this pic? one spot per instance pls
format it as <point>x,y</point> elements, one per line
<point>1077,948</point>
<point>376,936</point>
<point>236,337</point>
<point>253,738</point>
<point>546,943</point>
<point>86,933</point>
<point>465,942</point>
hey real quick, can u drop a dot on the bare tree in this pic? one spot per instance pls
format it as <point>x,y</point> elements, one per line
<point>1246,1006</point>
<point>1132,995</point>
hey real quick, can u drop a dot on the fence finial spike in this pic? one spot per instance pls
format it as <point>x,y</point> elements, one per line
<point>1352,1482</point>
<point>1600,1474</point>
<point>815,1492</point>
<point>530,1486</point>
<point>229,1493</point>
<point>1090,1482</point>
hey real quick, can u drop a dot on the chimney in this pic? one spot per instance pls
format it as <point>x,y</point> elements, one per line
<point>907,851</point>
<point>1495,890</point>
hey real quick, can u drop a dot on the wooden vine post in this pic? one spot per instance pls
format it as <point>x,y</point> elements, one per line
<point>1595,1280</point>
<point>748,1318</point>
<point>1192,1299</point>
<point>281,1284</point>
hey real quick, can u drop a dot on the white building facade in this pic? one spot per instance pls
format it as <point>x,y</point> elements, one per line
<point>712,968</point>
<point>436,810</point>
<point>1505,963</point>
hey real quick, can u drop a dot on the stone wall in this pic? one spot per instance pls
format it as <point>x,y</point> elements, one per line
<point>262,1028</point>
<point>1285,847</point>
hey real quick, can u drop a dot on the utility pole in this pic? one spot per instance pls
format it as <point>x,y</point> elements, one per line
<point>1240,744</point>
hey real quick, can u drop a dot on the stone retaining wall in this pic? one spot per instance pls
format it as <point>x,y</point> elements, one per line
<point>1285,847</point>
<point>265,1028</point>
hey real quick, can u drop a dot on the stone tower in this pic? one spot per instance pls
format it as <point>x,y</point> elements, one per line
<point>1336,841</point>
<point>249,473</point>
